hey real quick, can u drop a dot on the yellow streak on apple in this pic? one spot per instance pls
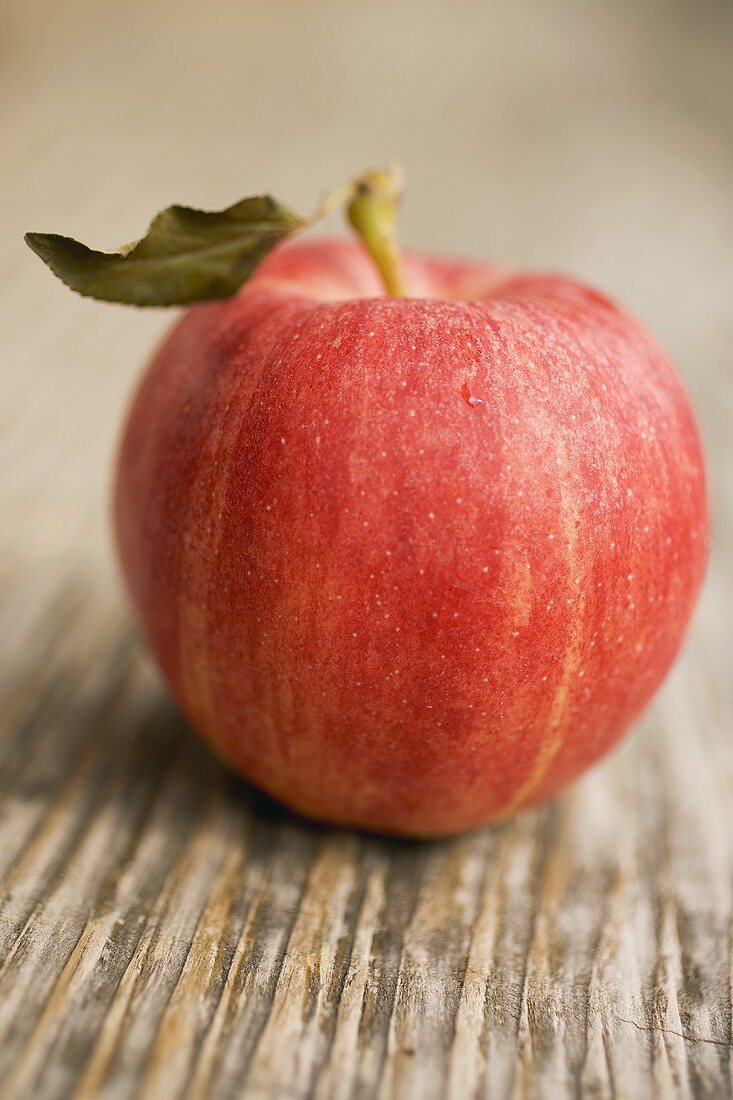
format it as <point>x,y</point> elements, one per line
<point>193,627</point>
<point>557,719</point>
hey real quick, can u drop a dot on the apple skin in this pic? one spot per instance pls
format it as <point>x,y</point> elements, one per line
<point>411,564</point>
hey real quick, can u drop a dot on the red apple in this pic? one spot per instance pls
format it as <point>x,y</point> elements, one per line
<point>411,563</point>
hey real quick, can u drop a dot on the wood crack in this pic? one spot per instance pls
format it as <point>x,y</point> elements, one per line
<point>670,1031</point>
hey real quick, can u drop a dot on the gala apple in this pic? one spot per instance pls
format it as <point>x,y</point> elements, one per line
<point>411,563</point>
<point>413,540</point>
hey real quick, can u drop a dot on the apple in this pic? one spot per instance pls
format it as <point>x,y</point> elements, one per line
<point>411,563</point>
<point>413,540</point>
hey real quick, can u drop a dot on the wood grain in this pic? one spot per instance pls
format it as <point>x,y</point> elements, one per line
<point>166,932</point>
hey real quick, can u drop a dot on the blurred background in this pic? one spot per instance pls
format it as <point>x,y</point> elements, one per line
<point>591,136</point>
<point>594,136</point>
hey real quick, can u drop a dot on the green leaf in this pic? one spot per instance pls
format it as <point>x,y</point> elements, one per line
<point>186,255</point>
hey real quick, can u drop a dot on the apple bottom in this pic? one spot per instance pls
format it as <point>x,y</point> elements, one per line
<point>427,770</point>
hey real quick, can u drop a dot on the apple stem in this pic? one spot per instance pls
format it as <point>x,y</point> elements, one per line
<point>373,214</point>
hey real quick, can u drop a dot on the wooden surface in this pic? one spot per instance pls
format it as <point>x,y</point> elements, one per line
<point>164,931</point>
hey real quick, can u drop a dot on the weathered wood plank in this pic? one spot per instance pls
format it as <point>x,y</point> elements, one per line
<point>167,932</point>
